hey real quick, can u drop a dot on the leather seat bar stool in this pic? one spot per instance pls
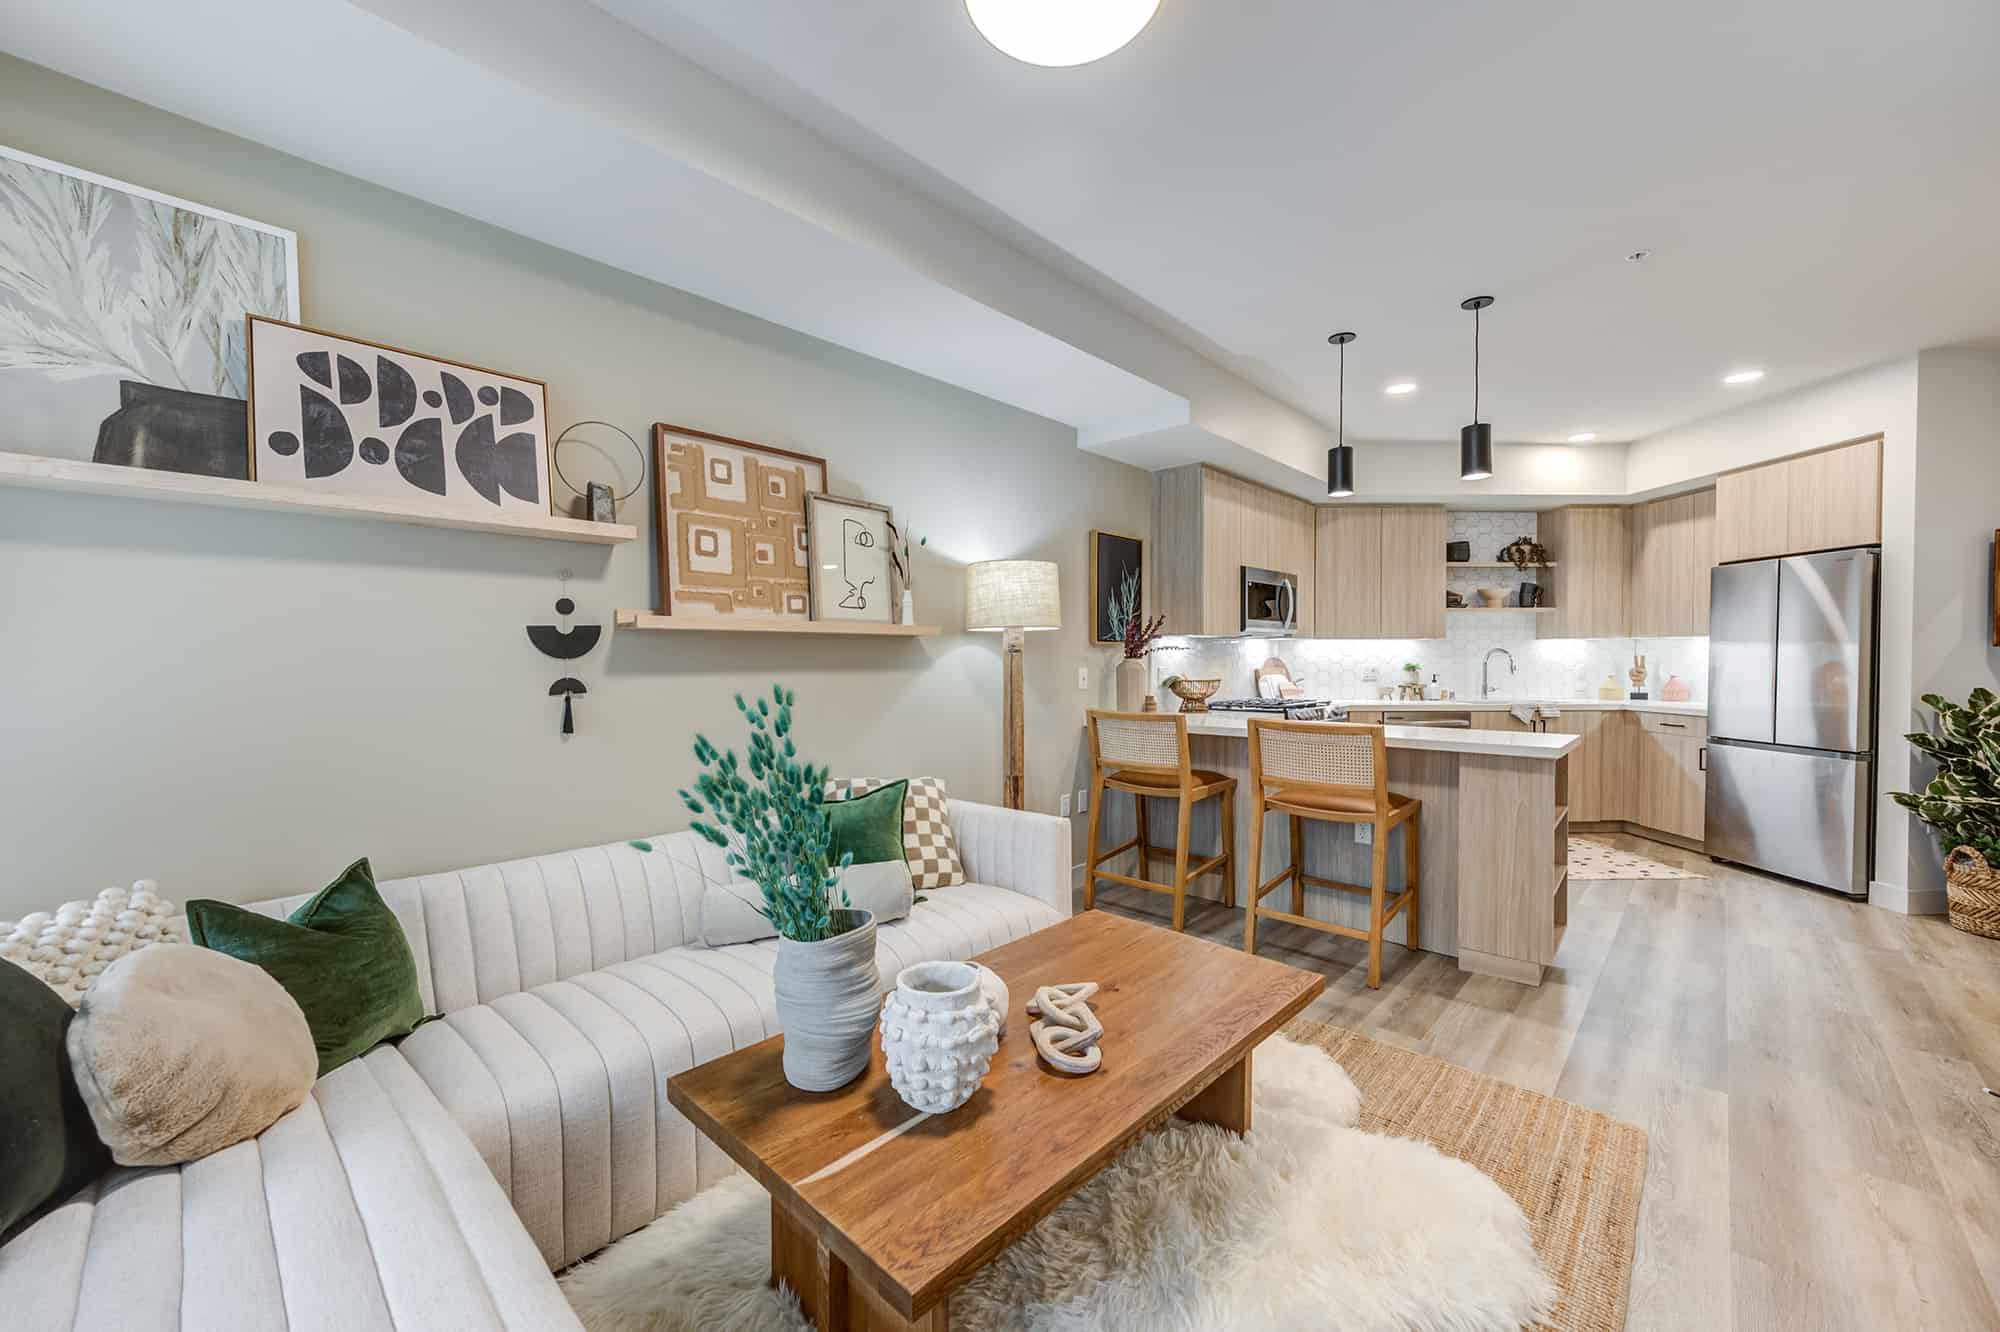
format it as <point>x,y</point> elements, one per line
<point>1146,755</point>
<point>1335,773</point>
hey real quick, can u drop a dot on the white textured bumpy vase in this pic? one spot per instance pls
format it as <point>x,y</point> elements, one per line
<point>827,992</point>
<point>939,1033</point>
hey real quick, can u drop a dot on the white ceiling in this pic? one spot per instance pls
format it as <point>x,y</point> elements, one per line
<point>1817,179</point>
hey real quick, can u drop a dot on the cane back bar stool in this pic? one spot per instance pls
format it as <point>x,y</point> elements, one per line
<point>1338,774</point>
<point>1146,754</point>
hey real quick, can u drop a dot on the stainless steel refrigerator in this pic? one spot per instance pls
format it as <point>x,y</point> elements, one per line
<point>1791,716</point>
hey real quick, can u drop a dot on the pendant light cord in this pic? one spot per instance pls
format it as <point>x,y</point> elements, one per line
<point>1475,365</point>
<point>1340,426</point>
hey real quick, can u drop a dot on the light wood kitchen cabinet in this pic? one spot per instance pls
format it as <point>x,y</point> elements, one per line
<point>1599,768</point>
<point>1379,571</point>
<point>1347,562</point>
<point>1816,501</point>
<point>1590,549</point>
<point>1207,526</point>
<point>1413,537</point>
<point>1673,552</point>
<point>1672,776</point>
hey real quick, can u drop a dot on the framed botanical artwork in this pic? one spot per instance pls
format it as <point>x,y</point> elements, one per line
<point>1117,575</point>
<point>849,543</point>
<point>344,415</point>
<point>729,525</point>
<point>122,318</point>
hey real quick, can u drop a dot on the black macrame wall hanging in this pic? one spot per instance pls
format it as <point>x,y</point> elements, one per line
<point>565,642</point>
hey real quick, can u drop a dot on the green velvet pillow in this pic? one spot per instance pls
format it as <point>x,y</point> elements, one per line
<point>342,956</point>
<point>48,1146</point>
<point>869,826</point>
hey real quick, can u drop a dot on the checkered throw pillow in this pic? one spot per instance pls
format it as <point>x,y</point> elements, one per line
<point>927,843</point>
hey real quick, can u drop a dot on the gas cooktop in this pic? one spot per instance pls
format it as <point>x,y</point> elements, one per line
<point>1294,709</point>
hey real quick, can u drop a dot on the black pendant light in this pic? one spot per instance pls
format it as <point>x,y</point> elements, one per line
<point>1340,458</point>
<point>1475,442</point>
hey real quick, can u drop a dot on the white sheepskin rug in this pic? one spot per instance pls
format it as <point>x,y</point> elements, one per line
<point>1305,1223</point>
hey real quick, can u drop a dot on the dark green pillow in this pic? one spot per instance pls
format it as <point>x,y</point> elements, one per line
<point>48,1146</point>
<point>870,826</point>
<point>342,956</point>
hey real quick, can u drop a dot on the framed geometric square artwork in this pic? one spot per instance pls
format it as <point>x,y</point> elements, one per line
<point>121,318</point>
<point>729,525</point>
<point>343,415</point>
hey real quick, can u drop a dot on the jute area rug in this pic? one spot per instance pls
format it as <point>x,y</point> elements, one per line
<point>1576,1173</point>
<point>1401,1193</point>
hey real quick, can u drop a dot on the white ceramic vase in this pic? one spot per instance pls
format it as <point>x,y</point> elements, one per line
<point>996,994</point>
<point>909,607</point>
<point>939,1033</point>
<point>1131,685</point>
<point>827,993</point>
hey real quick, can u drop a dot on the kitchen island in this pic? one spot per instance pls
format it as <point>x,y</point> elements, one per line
<point>1494,851</point>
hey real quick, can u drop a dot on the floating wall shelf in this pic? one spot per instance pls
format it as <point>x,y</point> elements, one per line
<point>1497,610</point>
<point>1502,564</point>
<point>729,624</point>
<point>36,472</point>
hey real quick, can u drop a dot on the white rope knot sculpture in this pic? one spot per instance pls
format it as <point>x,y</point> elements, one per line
<point>1065,1031</point>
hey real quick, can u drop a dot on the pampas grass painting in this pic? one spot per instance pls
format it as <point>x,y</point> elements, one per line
<point>105,287</point>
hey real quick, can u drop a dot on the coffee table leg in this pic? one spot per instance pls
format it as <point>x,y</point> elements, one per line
<point>820,1279</point>
<point>1225,1102</point>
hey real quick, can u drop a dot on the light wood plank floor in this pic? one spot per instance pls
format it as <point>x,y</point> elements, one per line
<point>1809,1070</point>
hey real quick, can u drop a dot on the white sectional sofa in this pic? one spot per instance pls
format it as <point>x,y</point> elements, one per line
<point>436,1184</point>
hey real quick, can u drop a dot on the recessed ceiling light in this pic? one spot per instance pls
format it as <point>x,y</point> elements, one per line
<point>1400,387</point>
<point>1743,376</point>
<point>1583,437</point>
<point>1059,33</point>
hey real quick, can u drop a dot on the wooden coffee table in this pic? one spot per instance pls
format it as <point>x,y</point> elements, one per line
<point>877,1212</point>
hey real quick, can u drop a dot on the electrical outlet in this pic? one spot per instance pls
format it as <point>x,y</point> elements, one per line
<point>1082,799</point>
<point>1364,834</point>
<point>1370,675</point>
<point>1062,806</point>
<point>1083,677</point>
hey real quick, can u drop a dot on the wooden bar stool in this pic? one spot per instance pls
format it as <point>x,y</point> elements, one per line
<point>1338,774</point>
<point>1146,754</point>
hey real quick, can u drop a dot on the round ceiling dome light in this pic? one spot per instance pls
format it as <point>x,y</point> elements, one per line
<point>1058,33</point>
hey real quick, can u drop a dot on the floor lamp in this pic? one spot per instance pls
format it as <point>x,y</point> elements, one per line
<point>1013,597</point>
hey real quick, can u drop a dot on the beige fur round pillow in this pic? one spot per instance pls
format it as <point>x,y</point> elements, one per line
<point>180,1051</point>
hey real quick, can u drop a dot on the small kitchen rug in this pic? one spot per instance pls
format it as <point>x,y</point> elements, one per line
<point>1592,859</point>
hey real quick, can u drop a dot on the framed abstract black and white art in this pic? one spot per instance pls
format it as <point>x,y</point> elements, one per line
<point>122,318</point>
<point>342,414</point>
<point>848,541</point>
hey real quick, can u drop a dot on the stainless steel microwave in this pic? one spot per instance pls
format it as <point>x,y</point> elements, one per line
<point>1270,602</point>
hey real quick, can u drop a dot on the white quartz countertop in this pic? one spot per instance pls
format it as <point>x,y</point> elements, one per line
<point>1499,703</point>
<point>1444,740</point>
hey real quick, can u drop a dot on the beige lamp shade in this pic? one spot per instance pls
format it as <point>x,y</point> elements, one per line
<point>1012,594</point>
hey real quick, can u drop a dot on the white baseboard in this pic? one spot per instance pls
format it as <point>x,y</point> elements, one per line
<point>1910,902</point>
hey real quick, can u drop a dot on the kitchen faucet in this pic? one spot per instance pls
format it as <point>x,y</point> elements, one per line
<point>1485,684</point>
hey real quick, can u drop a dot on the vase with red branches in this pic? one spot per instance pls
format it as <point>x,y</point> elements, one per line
<point>1140,635</point>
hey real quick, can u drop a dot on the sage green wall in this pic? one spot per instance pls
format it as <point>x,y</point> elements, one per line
<point>238,703</point>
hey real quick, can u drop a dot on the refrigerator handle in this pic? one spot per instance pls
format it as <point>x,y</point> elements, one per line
<point>1701,759</point>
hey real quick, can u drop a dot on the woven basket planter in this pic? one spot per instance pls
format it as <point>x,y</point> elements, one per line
<point>1972,887</point>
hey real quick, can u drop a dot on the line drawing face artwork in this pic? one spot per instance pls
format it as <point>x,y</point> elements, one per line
<point>848,544</point>
<point>854,535</point>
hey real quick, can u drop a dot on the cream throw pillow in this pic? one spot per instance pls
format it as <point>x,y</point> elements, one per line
<point>181,1051</point>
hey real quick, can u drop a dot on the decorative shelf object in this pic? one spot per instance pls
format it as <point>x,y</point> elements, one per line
<point>1495,564</point>
<point>727,624</point>
<point>90,478</point>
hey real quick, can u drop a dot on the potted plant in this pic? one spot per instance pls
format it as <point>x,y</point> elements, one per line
<point>1140,638</point>
<point>765,813</point>
<point>1962,803</point>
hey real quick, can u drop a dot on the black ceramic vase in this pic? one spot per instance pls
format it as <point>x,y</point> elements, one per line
<point>174,430</point>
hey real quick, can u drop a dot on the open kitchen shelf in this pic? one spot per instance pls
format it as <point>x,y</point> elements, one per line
<point>1495,564</point>
<point>92,478</point>
<point>730,624</point>
<point>1496,610</point>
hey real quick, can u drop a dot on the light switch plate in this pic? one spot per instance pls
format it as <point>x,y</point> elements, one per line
<point>1370,675</point>
<point>1082,799</point>
<point>1083,677</point>
<point>1062,806</point>
<point>1364,834</point>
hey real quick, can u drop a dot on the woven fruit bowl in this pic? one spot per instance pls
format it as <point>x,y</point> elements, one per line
<point>1193,694</point>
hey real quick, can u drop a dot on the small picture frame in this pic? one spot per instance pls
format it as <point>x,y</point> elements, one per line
<point>848,545</point>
